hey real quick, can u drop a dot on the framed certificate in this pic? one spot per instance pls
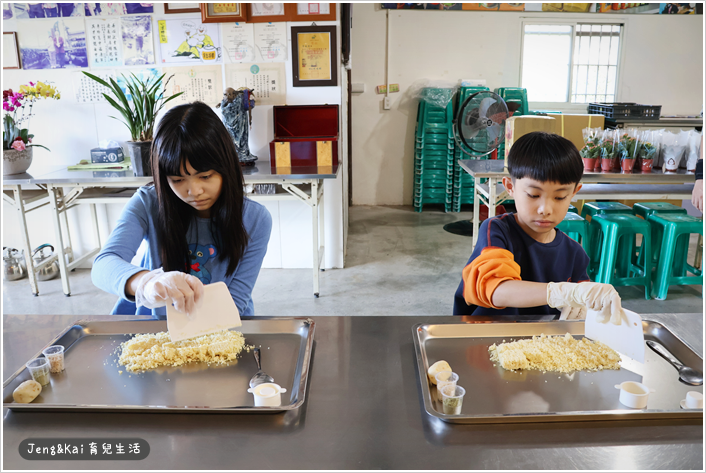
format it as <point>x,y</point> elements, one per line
<point>177,7</point>
<point>268,12</point>
<point>314,56</point>
<point>10,51</point>
<point>222,12</point>
<point>313,12</point>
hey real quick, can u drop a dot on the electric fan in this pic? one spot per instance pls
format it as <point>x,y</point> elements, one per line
<point>479,129</point>
<point>479,124</point>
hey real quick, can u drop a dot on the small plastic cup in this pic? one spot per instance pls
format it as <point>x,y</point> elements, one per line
<point>445,378</point>
<point>694,400</point>
<point>267,394</point>
<point>39,369</point>
<point>452,399</point>
<point>633,394</point>
<point>55,355</point>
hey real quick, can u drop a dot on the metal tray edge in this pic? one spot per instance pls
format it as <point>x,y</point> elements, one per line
<point>306,363</point>
<point>572,416</point>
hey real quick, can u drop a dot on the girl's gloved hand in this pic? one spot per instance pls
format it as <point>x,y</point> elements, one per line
<point>157,289</point>
<point>602,298</point>
<point>573,313</point>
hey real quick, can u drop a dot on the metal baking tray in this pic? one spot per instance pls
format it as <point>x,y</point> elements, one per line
<point>92,379</point>
<point>495,395</point>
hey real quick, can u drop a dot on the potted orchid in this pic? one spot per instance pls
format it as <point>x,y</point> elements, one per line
<point>16,140</point>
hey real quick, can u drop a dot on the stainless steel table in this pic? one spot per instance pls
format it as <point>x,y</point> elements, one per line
<point>363,410</point>
<point>69,188</point>
<point>596,185</point>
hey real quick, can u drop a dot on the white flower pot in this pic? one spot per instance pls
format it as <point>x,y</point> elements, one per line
<point>16,162</point>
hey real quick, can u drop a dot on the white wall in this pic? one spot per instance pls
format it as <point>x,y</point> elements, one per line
<point>662,65</point>
<point>70,129</point>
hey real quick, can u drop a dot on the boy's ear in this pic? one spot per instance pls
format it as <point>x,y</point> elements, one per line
<point>509,185</point>
<point>576,190</point>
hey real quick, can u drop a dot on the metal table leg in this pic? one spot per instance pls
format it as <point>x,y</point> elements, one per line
<point>19,206</point>
<point>56,202</point>
<point>476,209</point>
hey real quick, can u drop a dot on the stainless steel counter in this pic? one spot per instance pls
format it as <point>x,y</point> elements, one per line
<point>363,411</point>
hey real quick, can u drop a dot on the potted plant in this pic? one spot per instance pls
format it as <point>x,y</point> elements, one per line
<point>17,143</point>
<point>627,152</point>
<point>609,151</point>
<point>647,155</point>
<point>590,153</point>
<point>139,113</point>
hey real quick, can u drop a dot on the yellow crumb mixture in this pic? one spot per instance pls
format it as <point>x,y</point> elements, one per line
<point>150,350</point>
<point>559,353</point>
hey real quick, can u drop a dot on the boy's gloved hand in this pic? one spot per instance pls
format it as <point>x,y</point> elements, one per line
<point>157,289</point>
<point>573,313</point>
<point>602,298</point>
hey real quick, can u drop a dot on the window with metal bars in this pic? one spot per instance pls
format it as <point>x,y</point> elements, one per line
<point>570,62</point>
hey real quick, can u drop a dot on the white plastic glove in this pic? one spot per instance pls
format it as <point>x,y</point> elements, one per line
<point>573,313</point>
<point>602,298</point>
<point>157,289</point>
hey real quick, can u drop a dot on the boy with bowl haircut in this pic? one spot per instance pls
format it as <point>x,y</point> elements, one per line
<point>521,264</point>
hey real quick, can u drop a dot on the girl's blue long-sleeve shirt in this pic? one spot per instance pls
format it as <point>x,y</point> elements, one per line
<point>112,267</point>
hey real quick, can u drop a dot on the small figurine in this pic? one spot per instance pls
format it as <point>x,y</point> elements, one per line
<point>237,108</point>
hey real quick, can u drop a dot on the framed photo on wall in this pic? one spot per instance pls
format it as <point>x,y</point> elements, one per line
<point>314,56</point>
<point>222,12</point>
<point>10,51</point>
<point>176,7</point>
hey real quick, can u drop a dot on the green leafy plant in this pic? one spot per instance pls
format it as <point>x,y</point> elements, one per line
<point>139,113</point>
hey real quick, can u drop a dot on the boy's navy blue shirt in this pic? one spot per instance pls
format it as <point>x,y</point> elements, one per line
<point>561,260</point>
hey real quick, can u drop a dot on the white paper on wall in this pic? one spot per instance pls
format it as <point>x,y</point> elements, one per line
<point>188,41</point>
<point>239,41</point>
<point>202,83</point>
<point>267,80</point>
<point>89,91</point>
<point>105,43</point>
<point>271,41</point>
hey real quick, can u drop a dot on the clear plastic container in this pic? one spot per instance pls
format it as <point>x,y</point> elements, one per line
<point>39,369</point>
<point>55,355</point>
<point>445,378</point>
<point>452,399</point>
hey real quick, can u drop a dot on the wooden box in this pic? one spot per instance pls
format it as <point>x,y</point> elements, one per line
<point>305,135</point>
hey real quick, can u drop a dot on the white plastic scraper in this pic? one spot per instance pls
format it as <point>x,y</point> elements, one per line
<point>626,338</point>
<point>217,312</point>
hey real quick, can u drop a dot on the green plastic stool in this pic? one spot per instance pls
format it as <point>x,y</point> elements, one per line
<point>670,272</point>
<point>573,209</point>
<point>590,209</point>
<point>575,226</point>
<point>625,227</point>
<point>645,209</point>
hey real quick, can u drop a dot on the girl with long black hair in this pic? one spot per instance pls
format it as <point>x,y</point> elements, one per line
<point>197,224</point>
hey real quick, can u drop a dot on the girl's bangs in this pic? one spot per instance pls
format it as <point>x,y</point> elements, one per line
<point>175,152</point>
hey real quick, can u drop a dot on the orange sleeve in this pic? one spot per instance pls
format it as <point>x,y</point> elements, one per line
<point>485,273</point>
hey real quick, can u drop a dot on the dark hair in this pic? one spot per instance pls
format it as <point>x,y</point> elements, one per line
<point>193,132</point>
<point>545,157</point>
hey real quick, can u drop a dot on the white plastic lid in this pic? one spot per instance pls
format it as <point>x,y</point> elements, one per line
<point>267,391</point>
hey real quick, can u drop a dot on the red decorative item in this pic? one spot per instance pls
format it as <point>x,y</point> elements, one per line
<point>483,212</point>
<point>305,135</point>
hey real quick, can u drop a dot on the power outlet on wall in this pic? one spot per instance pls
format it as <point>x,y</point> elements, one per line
<point>386,103</point>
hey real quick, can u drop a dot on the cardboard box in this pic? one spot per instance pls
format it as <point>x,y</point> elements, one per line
<point>515,127</point>
<point>107,155</point>
<point>571,126</point>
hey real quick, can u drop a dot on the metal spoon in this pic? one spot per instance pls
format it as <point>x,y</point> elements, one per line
<point>686,375</point>
<point>260,377</point>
